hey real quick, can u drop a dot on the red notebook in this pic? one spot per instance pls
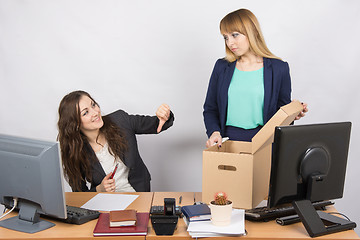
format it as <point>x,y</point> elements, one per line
<point>103,228</point>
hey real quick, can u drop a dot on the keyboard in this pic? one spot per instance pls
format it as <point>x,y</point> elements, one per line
<point>78,215</point>
<point>265,214</point>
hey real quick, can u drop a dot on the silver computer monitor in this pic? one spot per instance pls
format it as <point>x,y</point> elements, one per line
<point>31,172</point>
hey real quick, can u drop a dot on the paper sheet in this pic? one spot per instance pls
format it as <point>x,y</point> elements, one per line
<point>237,226</point>
<point>109,202</point>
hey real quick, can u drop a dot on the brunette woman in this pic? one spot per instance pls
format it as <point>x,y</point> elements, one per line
<point>92,145</point>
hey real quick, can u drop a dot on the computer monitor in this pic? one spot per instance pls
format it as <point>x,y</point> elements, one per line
<point>31,171</point>
<point>309,165</point>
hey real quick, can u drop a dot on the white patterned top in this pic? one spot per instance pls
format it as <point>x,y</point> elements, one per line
<point>108,163</point>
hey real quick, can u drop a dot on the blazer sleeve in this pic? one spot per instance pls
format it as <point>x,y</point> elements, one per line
<point>285,87</point>
<point>141,124</point>
<point>211,107</point>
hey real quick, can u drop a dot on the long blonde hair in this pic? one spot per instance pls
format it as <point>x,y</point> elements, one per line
<point>245,22</point>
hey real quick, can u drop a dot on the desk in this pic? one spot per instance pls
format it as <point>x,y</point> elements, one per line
<point>256,230</point>
<point>268,231</point>
<point>72,231</point>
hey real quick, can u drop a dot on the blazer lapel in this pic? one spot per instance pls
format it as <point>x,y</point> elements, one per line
<point>268,79</point>
<point>228,73</point>
<point>96,165</point>
<point>98,168</point>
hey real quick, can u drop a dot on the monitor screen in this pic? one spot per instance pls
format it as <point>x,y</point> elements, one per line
<point>31,172</point>
<point>309,165</point>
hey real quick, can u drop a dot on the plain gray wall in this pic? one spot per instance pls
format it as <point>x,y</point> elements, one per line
<point>138,54</point>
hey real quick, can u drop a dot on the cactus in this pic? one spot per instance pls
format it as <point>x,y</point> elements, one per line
<point>221,198</point>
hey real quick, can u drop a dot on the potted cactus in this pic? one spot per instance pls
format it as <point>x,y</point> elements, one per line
<point>221,208</point>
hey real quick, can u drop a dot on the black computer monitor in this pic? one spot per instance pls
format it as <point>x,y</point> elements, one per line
<point>309,165</point>
<point>31,171</point>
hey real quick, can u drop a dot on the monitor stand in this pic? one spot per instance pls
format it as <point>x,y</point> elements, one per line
<point>319,223</point>
<point>27,221</point>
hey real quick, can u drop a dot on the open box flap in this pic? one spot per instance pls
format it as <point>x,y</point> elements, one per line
<point>284,116</point>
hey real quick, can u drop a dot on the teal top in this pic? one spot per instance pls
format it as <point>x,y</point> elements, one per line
<point>246,99</point>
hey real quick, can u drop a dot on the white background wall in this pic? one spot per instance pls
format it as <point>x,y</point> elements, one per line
<point>137,54</point>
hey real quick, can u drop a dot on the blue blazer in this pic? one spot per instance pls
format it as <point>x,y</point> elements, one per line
<point>277,92</point>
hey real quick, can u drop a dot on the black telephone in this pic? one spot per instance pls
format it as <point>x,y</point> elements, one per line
<point>164,220</point>
<point>159,210</point>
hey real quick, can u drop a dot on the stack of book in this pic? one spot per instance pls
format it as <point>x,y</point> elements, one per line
<point>205,228</point>
<point>194,213</point>
<point>122,223</point>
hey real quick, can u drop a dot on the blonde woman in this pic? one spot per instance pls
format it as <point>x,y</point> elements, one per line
<point>246,87</point>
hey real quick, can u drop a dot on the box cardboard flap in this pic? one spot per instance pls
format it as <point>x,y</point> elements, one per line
<point>284,116</point>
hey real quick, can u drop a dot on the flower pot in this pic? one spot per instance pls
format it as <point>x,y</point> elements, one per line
<point>221,214</point>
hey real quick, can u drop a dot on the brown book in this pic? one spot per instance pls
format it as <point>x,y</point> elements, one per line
<point>120,218</point>
<point>102,227</point>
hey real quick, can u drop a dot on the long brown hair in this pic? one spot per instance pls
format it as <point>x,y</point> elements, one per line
<point>74,145</point>
<point>245,22</point>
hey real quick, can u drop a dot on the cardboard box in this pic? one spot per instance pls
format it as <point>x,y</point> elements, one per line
<point>242,169</point>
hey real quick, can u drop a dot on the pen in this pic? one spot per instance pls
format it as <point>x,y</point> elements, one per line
<point>180,198</point>
<point>113,173</point>
<point>288,220</point>
<point>224,139</point>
